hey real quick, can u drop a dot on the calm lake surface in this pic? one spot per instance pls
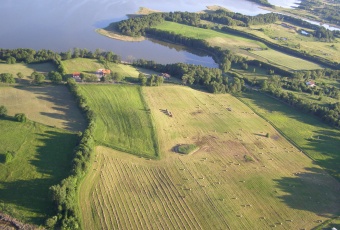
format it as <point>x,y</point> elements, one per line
<point>61,25</point>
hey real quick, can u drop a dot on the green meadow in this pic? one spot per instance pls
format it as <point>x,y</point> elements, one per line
<point>42,158</point>
<point>123,119</point>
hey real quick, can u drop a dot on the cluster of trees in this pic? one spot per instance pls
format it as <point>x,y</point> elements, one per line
<point>64,195</point>
<point>31,56</point>
<point>329,113</point>
<point>329,12</point>
<point>192,19</point>
<point>211,79</point>
<point>27,55</point>
<point>153,80</point>
<point>136,26</point>
<point>7,78</point>
<point>231,18</point>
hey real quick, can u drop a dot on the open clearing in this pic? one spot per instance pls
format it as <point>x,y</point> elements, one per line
<point>123,120</point>
<point>43,158</point>
<point>239,179</point>
<point>50,105</point>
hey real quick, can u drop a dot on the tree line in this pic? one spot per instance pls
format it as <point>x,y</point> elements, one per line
<point>64,194</point>
<point>210,79</point>
<point>328,113</point>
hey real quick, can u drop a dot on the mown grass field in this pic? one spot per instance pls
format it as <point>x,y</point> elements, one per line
<point>123,120</point>
<point>50,105</point>
<point>43,158</point>
<point>210,35</point>
<point>239,179</point>
<point>319,141</point>
<point>286,60</point>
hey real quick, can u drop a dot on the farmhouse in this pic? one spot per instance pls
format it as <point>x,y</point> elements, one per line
<point>165,75</point>
<point>103,72</point>
<point>310,83</point>
<point>76,76</point>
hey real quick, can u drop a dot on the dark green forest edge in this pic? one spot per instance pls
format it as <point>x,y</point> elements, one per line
<point>222,80</point>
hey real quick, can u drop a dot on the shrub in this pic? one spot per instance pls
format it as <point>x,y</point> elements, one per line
<point>9,156</point>
<point>3,111</point>
<point>20,117</point>
<point>267,135</point>
<point>187,148</point>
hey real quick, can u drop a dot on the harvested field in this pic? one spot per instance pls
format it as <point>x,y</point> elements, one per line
<point>218,187</point>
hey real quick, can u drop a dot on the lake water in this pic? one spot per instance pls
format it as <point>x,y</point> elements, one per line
<point>61,25</point>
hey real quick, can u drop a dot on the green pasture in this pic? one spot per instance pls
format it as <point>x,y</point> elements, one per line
<point>123,119</point>
<point>286,60</point>
<point>42,158</point>
<point>84,65</point>
<point>319,141</point>
<point>26,69</point>
<point>210,35</point>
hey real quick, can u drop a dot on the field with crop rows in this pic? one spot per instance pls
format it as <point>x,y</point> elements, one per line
<point>239,179</point>
<point>50,105</point>
<point>42,158</point>
<point>123,120</point>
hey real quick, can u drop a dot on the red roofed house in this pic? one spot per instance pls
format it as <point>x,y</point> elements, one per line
<point>76,76</point>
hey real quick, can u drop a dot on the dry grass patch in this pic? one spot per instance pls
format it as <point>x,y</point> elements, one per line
<point>50,105</point>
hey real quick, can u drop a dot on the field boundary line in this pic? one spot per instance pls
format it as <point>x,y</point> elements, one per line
<point>276,128</point>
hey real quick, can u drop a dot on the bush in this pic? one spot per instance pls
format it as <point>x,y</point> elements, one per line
<point>187,148</point>
<point>3,111</point>
<point>267,135</point>
<point>9,156</point>
<point>20,117</point>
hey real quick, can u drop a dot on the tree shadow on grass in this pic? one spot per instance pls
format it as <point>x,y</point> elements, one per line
<point>63,102</point>
<point>325,141</point>
<point>312,190</point>
<point>52,162</point>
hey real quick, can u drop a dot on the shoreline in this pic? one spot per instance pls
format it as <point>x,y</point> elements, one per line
<point>110,31</point>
